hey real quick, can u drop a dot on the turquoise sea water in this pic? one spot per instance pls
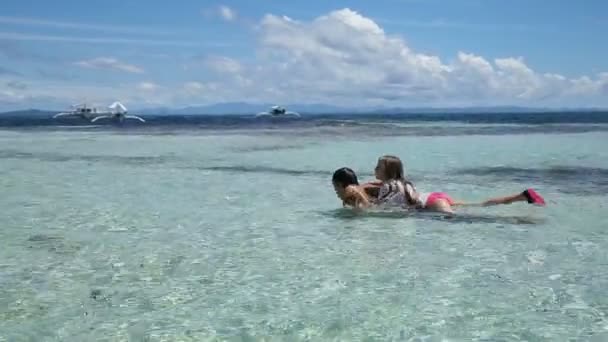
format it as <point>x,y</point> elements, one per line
<point>118,235</point>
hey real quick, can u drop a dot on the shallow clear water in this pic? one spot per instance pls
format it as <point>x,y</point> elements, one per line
<point>198,236</point>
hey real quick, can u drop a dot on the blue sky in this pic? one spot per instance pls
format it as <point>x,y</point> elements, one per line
<point>391,52</point>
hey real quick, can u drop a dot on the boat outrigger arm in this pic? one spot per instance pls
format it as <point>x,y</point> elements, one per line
<point>118,111</point>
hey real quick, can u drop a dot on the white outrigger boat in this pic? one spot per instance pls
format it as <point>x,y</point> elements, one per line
<point>80,111</point>
<point>116,111</point>
<point>276,111</point>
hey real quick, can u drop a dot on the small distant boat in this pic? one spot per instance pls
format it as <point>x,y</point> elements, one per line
<point>276,111</point>
<point>116,111</point>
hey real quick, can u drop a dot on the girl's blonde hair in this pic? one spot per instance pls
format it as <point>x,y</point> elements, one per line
<point>393,167</point>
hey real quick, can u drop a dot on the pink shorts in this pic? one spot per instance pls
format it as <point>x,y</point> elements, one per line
<point>436,196</point>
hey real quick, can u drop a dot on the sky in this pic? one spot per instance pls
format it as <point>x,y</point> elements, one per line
<point>409,53</point>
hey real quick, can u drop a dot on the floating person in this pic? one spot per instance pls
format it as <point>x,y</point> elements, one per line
<point>392,189</point>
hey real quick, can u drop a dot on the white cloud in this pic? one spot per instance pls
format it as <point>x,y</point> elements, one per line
<point>10,96</point>
<point>99,40</point>
<point>223,64</point>
<point>25,21</point>
<point>344,58</point>
<point>110,63</point>
<point>227,13</point>
<point>191,92</point>
<point>193,86</point>
<point>148,86</point>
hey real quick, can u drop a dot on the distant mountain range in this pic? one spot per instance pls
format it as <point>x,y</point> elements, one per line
<point>244,108</point>
<point>34,113</point>
<point>249,108</point>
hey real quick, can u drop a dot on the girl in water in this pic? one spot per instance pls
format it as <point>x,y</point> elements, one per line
<point>395,190</point>
<point>346,185</point>
<point>392,189</point>
<point>390,171</point>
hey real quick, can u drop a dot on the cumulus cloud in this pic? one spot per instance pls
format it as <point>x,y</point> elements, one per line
<point>345,58</point>
<point>109,63</point>
<point>344,55</point>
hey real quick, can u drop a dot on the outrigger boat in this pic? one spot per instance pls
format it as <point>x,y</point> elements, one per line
<point>278,111</point>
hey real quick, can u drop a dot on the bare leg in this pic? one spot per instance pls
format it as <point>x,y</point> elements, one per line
<point>528,195</point>
<point>505,200</point>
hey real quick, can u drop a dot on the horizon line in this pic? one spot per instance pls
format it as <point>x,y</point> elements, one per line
<point>338,109</point>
